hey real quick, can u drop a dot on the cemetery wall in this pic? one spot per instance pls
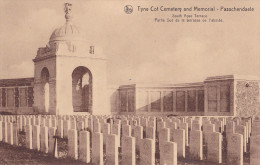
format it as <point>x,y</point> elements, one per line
<point>247,98</point>
<point>113,95</point>
<point>16,96</point>
<point>230,95</point>
<point>220,95</point>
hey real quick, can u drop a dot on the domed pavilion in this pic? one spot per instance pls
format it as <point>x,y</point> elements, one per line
<point>69,75</point>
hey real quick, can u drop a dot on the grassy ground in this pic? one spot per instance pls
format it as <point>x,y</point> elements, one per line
<point>20,155</point>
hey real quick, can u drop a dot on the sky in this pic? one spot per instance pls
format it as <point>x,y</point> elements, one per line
<point>138,48</point>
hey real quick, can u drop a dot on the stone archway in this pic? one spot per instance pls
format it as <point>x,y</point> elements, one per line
<point>46,88</point>
<point>82,89</point>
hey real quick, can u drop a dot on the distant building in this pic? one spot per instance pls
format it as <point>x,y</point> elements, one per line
<point>70,78</point>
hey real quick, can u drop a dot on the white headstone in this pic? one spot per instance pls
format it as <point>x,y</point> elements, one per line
<point>255,150</point>
<point>196,150</point>
<point>168,153</point>
<point>128,150</point>
<point>214,147</point>
<point>84,146</point>
<point>147,152</point>
<point>235,149</point>
<point>73,144</point>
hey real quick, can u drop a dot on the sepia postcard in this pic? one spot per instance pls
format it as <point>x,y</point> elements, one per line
<point>130,82</point>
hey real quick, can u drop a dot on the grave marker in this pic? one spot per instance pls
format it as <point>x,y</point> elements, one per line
<point>147,152</point>
<point>168,153</point>
<point>73,144</point>
<point>51,147</point>
<point>28,136</point>
<point>235,149</point>
<point>112,151</point>
<point>36,137</point>
<point>179,139</point>
<point>196,151</point>
<point>128,150</point>
<point>97,151</point>
<point>44,139</point>
<point>84,146</point>
<point>150,133</point>
<point>214,147</point>
<point>255,150</point>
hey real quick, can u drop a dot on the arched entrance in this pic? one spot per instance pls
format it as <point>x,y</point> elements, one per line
<point>46,91</point>
<point>82,89</point>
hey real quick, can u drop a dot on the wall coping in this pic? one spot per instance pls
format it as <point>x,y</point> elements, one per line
<point>232,77</point>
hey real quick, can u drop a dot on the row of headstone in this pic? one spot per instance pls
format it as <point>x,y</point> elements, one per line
<point>9,133</point>
<point>202,130</point>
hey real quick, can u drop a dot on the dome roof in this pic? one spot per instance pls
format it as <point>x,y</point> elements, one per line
<point>66,32</point>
